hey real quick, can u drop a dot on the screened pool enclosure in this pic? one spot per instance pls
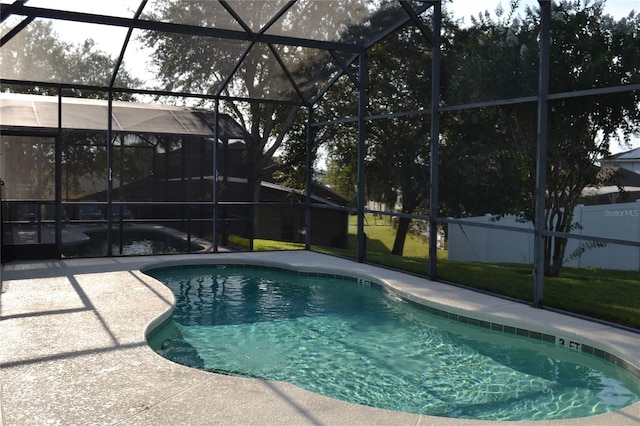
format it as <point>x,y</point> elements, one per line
<point>210,125</point>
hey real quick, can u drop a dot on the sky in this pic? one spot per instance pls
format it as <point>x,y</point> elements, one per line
<point>466,8</point>
<point>111,43</point>
<point>110,39</point>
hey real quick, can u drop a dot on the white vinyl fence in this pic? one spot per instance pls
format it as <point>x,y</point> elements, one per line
<point>618,221</point>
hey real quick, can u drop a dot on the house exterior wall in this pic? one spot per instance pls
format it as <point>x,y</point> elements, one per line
<point>280,224</point>
<point>328,227</point>
<point>631,165</point>
<point>618,221</point>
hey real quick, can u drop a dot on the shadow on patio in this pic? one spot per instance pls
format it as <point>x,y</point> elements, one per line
<point>74,351</point>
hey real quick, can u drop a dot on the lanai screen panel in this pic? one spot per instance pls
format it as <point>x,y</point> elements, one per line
<point>27,169</point>
<point>261,50</point>
<point>354,22</point>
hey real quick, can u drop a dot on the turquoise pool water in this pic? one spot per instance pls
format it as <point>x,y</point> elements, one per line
<point>359,344</point>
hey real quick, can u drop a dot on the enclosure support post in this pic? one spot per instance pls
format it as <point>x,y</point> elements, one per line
<point>109,173</point>
<point>1,227</point>
<point>435,141</point>
<point>121,196</point>
<point>362,111</point>
<point>58,180</point>
<point>541,154</point>
<point>309,179</point>
<point>214,174</point>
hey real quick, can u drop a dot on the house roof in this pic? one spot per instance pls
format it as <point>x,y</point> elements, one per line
<point>21,111</point>
<point>633,155</point>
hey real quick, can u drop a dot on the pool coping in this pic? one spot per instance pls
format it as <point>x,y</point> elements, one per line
<point>76,350</point>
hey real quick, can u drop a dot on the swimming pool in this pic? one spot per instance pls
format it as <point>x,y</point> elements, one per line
<point>237,319</point>
<point>138,241</point>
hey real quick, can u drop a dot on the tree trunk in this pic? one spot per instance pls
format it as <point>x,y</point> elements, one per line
<point>401,236</point>
<point>253,191</point>
<point>559,245</point>
<point>255,210</point>
<point>548,242</point>
<point>555,246</point>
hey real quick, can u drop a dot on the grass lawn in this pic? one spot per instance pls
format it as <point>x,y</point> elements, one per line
<point>598,293</point>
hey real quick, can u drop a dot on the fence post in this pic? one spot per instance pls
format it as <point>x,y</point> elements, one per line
<point>434,141</point>
<point>362,128</point>
<point>541,152</point>
<point>577,213</point>
<point>636,213</point>
<point>490,235</point>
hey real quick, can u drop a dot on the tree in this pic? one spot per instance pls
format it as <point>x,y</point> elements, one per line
<point>589,50</point>
<point>480,168</point>
<point>208,65</point>
<point>292,170</point>
<point>342,163</point>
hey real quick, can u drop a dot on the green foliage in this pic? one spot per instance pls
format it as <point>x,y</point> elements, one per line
<point>584,246</point>
<point>292,172</point>
<point>342,173</point>
<point>238,242</point>
<point>481,170</point>
<point>270,245</point>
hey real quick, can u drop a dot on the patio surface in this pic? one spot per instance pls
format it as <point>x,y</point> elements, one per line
<point>73,349</point>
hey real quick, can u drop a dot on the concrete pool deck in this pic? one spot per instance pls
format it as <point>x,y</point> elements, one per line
<point>74,349</point>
